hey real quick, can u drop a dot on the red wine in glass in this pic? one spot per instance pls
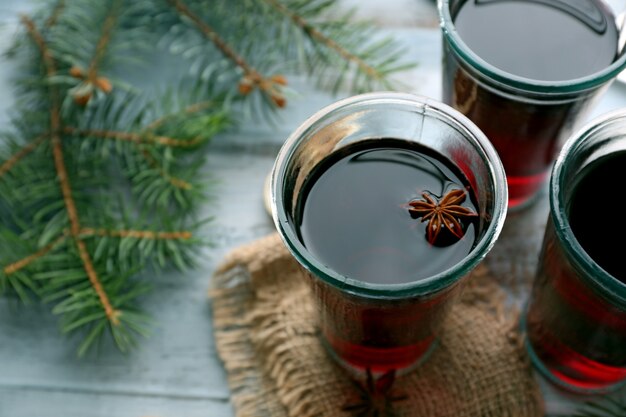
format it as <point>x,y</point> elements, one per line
<point>355,217</point>
<point>576,333</point>
<point>532,45</point>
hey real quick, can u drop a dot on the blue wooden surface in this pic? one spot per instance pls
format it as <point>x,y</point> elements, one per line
<point>177,372</point>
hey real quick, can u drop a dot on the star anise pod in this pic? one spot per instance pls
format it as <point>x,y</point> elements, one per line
<point>447,213</point>
<point>376,398</point>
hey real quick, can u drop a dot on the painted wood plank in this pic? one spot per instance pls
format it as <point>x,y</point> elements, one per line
<point>177,371</point>
<point>394,13</point>
<point>53,402</point>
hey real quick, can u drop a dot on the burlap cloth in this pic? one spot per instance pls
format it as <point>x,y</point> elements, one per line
<point>266,335</point>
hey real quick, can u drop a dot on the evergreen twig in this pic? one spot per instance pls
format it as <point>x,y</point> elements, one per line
<point>341,52</point>
<point>7,165</point>
<point>63,244</point>
<point>91,78</point>
<point>316,34</point>
<point>252,79</point>
<point>54,16</point>
<point>99,183</point>
<point>59,161</point>
<point>138,138</point>
<point>26,261</point>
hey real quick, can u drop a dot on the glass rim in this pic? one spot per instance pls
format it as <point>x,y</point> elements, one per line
<point>574,85</point>
<point>574,250</point>
<point>420,287</point>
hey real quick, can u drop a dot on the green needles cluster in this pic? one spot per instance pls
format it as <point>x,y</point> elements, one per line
<point>101,178</point>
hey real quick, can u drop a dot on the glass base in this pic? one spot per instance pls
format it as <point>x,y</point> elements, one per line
<point>576,387</point>
<point>359,369</point>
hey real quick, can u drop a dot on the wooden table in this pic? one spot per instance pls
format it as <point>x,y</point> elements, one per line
<point>177,371</point>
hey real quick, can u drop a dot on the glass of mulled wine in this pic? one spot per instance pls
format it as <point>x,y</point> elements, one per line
<point>576,316</point>
<point>388,201</point>
<point>526,72</point>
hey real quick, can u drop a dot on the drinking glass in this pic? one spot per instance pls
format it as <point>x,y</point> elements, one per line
<point>526,120</point>
<point>576,315</point>
<point>381,327</point>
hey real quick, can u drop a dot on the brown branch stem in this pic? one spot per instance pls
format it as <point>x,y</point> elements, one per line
<point>56,12</point>
<point>191,109</point>
<point>252,78</point>
<point>330,43</point>
<point>64,182</point>
<point>41,44</point>
<point>176,182</point>
<point>133,137</point>
<point>7,165</point>
<point>103,41</point>
<point>137,234</point>
<point>220,43</point>
<point>86,232</point>
<point>24,262</point>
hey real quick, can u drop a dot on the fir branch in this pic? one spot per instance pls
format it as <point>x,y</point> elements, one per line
<point>252,79</point>
<point>56,12</point>
<point>7,165</point>
<point>316,34</point>
<point>66,189</point>
<point>91,78</point>
<point>160,137</point>
<point>176,182</point>
<point>86,232</point>
<point>138,138</point>
<point>341,52</point>
<point>105,37</point>
<point>137,234</point>
<point>91,196</point>
<point>25,262</point>
<point>101,34</point>
<point>70,204</point>
<point>187,111</point>
<point>213,36</point>
<point>50,66</point>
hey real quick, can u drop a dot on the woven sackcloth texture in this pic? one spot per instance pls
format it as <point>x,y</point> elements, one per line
<point>265,332</point>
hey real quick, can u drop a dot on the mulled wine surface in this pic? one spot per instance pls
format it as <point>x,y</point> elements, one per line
<point>598,184</point>
<point>548,40</point>
<point>354,214</point>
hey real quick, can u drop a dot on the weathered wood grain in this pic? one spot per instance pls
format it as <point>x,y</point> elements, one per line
<point>177,371</point>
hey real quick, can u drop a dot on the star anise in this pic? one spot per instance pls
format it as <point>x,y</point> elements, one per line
<point>376,399</point>
<point>445,214</point>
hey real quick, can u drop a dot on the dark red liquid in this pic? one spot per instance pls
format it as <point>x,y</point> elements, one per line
<point>546,40</point>
<point>541,40</point>
<point>597,185</point>
<point>354,218</point>
<point>578,334</point>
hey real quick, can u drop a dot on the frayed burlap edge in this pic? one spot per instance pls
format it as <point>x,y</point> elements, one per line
<point>276,366</point>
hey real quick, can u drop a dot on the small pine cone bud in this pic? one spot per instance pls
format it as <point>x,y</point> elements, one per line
<point>76,72</point>
<point>279,79</point>
<point>279,100</point>
<point>104,84</point>
<point>82,99</point>
<point>245,87</point>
